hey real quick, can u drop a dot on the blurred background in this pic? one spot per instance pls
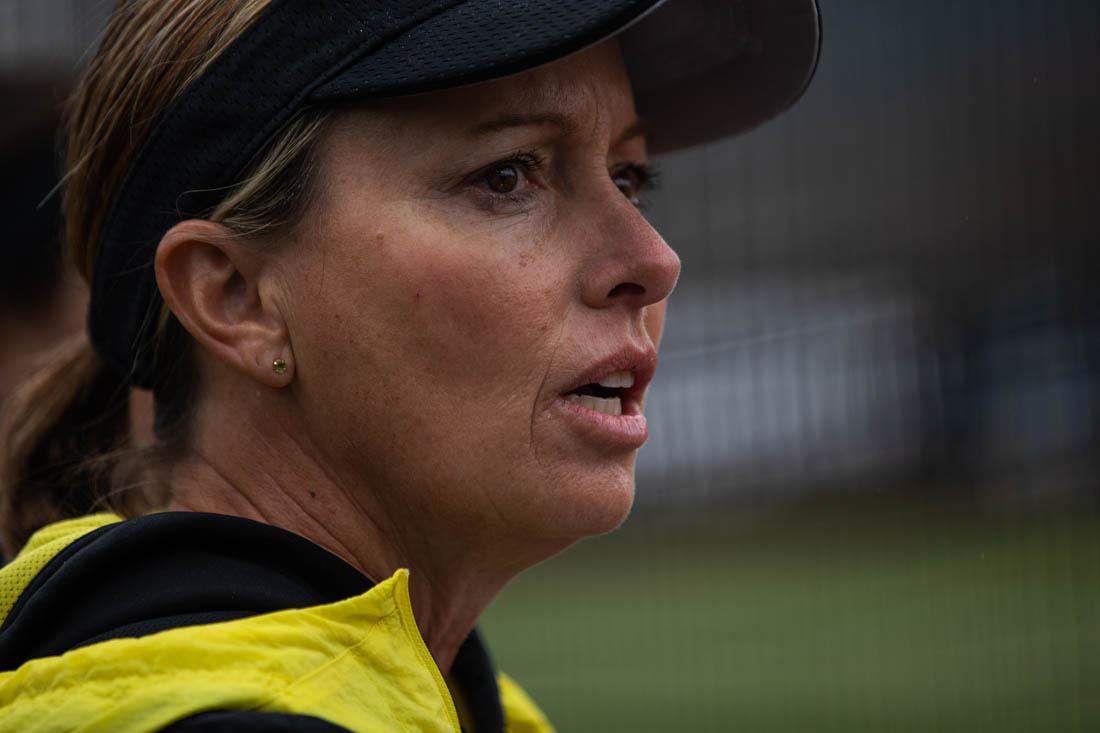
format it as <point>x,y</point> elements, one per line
<point>870,498</point>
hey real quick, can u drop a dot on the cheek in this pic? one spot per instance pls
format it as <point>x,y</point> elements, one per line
<point>483,318</point>
<point>496,295</point>
<point>486,311</point>
<point>427,311</point>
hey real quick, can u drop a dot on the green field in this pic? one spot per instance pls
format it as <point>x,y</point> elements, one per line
<point>828,620</point>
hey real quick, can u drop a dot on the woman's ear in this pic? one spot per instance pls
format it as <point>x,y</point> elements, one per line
<point>211,282</point>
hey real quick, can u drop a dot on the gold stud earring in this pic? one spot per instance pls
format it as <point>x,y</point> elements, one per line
<point>278,366</point>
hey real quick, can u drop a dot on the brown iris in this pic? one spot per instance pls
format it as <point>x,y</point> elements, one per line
<point>503,179</point>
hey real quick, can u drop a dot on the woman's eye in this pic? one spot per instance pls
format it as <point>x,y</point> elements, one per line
<point>503,178</point>
<point>633,179</point>
<point>628,186</point>
<point>511,177</point>
<point>509,185</point>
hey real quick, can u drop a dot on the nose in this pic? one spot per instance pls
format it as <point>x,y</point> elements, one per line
<point>631,265</point>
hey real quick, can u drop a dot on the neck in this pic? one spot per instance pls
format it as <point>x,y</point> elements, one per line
<point>280,481</point>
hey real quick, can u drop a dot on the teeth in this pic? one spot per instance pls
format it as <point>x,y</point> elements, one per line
<point>618,379</point>
<point>612,406</point>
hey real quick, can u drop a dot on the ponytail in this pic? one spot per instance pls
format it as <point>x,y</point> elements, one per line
<point>64,437</point>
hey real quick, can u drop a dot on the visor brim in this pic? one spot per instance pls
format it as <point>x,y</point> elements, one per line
<point>701,69</point>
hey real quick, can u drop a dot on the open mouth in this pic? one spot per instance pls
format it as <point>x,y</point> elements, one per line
<point>606,396</point>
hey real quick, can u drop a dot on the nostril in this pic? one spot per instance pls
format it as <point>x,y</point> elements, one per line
<point>626,289</point>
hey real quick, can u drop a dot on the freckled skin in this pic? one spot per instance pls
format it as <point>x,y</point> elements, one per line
<point>430,361</point>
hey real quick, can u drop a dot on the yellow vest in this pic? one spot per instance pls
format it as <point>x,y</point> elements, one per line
<point>359,663</point>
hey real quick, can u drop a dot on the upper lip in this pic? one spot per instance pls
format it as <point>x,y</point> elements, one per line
<point>641,362</point>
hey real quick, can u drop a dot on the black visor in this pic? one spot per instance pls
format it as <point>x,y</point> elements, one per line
<point>701,70</point>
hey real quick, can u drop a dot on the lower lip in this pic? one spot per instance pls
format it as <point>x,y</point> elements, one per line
<point>623,431</point>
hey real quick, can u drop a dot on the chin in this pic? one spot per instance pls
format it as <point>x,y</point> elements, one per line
<point>609,518</point>
<point>589,504</point>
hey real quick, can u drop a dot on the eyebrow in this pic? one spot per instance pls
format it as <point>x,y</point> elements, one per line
<point>568,125</point>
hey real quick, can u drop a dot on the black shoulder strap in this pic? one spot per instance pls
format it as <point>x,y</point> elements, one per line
<point>252,721</point>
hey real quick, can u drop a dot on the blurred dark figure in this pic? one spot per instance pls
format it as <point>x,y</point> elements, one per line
<point>40,302</point>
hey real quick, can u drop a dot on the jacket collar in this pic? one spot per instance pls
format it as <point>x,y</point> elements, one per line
<point>111,584</point>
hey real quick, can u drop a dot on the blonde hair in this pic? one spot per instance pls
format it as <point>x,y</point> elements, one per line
<point>65,444</point>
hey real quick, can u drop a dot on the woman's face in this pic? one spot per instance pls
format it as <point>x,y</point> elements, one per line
<point>474,266</point>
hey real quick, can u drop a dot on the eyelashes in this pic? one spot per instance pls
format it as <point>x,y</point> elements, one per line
<point>511,183</point>
<point>634,179</point>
